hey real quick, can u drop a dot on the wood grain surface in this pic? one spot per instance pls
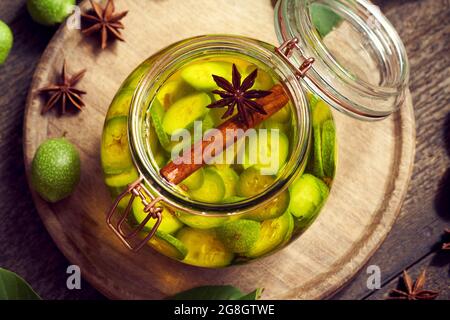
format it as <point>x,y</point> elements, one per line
<point>26,247</point>
<point>372,175</point>
<point>424,27</point>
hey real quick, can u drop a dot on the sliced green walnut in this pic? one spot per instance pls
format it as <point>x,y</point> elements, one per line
<point>208,123</point>
<point>171,91</point>
<point>304,221</point>
<point>321,112</point>
<point>194,181</point>
<point>230,179</point>
<point>169,223</point>
<point>324,189</point>
<point>283,115</point>
<point>167,245</point>
<point>123,179</point>
<point>308,195</point>
<point>199,75</point>
<point>120,106</point>
<point>115,153</point>
<point>124,202</point>
<point>322,159</point>
<point>273,233</point>
<point>271,150</point>
<point>156,117</point>
<point>160,159</point>
<point>216,115</point>
<point>176,148</point>
<point>275,208</point>
<point>239,236</point>
<point>153,140</point>
<point>270,124</point>
<point>317,163</point>
<point>313,99</point>
<point>263,80</point>
<point>204,248</point>
<point>115,192</point>
<point>212,189</point>
<point>241,65</point>
<point>183,113</point>
<point>289,232</point>
<point>252,182</point>
<point>328,148</point>
<point>233,199</point>
<point>201,221</point>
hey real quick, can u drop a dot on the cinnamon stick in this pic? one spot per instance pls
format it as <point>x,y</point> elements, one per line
<point>177,172</point>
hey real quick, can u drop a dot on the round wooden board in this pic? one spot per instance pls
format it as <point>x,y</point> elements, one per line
<point>374,167</point>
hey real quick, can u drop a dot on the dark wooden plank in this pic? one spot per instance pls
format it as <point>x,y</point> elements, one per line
<point>425,29</point>
<point>25,246</point>
<point>437,272</point>
<point>10,10</point>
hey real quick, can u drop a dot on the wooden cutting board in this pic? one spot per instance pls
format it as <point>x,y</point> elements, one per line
<point>373,172</point>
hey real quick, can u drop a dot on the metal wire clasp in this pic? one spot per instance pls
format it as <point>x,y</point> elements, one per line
<point>136,189</point>
<point>286,50</point>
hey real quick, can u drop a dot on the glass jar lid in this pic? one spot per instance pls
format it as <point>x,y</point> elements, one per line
<point>360,65</point>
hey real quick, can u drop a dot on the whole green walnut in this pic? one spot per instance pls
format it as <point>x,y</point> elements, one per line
<point>55,170</point>
<point>50,12</point>
<point>6,41</point>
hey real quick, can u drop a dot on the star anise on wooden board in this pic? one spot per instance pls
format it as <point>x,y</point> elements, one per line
<point>237,94</point>
<point>414,291</point>
<point>446,245</point>
<point>105,21</point>
<point>64,91</point>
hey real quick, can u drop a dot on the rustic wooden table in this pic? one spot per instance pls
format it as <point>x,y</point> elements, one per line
<point>414,242</point>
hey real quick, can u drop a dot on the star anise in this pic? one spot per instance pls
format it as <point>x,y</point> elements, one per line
<point>65,91</point>
<point>105,21</point>
<point>414,291</point>
<point>446,245</point>
<point>237,94</point>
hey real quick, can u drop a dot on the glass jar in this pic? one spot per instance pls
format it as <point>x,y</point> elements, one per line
<point>214,214</point>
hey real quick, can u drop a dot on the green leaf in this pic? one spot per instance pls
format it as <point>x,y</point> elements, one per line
<point>216,293</point>
<point>324,19</point>
<point>13,287</point>
<point>254,295</point>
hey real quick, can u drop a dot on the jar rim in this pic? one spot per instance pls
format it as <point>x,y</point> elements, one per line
<point>332,80</point>
<point>146,91</point>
